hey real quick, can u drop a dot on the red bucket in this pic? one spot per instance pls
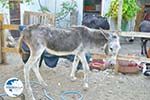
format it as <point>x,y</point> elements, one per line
<point>97,64</point>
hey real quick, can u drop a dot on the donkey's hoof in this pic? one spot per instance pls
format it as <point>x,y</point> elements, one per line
<point>85,86</point>
<point>33,99</point>
<point>73,79</point>
<point>45,85</point>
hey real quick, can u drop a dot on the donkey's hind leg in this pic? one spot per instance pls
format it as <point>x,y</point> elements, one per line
<point>74,68</point>
<point>31,64</point>
<point>85,68</point>
<point>27,68</point>
<point>145,48</point>
<point>142,46</point>
<point>35,68</point>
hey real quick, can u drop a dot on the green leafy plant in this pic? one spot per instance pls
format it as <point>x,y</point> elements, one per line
<point>44,9</point>
<point>129,9</point>
<point>66,8</point>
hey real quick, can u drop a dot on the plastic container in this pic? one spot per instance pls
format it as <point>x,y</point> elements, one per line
<point>128,67</point>
<point>97,64</point>
<point>88,8</point>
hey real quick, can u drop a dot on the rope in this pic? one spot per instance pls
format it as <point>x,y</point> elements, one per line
<point>71,92</point>
<point>3,94</point>
<point>47,96</point>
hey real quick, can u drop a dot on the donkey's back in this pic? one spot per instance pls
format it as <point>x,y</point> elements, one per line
<point>55,39</point>
<point>63,40</point>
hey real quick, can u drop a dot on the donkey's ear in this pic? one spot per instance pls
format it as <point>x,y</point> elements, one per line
<point>106,33</point>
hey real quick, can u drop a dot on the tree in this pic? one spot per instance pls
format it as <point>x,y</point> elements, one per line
<point>129,9</point>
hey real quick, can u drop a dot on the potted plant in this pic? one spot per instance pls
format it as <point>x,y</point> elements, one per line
<point>129,11</point>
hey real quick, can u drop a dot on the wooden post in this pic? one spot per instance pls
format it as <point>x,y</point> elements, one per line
<point>26,18</point>
<point>37,17</point>
<point>1,23</point>
<point>139,18</point>
<point>2,41</point>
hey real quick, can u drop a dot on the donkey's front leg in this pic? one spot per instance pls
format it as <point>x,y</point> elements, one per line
<point>74,68</point>
<point>85,68</point>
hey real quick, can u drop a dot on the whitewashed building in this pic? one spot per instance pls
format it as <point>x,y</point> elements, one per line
<point>55,5</point>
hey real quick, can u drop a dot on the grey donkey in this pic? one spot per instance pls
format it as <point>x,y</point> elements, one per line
<point>76,40</point>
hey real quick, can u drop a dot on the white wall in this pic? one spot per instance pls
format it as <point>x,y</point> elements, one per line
<point>80,11</point>
<point>5,13</point>
<point>52,5</point>
<point>105,6</point>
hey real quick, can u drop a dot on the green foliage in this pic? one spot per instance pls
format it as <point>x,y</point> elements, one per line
<point>44,9</point>
<point>129,9</point>
<point>66,8</point>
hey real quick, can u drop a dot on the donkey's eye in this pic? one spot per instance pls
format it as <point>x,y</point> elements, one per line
<point>114,36</point>
<point>111,49</point>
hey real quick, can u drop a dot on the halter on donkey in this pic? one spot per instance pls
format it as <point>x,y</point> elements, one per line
<point>72,41</point>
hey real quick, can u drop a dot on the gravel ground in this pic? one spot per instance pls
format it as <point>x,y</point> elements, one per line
<point>103,85</point>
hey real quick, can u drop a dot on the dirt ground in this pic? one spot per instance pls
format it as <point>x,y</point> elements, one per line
<point>103,85</point>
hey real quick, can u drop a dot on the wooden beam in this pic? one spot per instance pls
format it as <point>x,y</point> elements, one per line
<point>6,50</point>
<point>2,41</point>
<point>1,32</point>
<point>29,17</point>
<point>126,34</point>
<point>10,27</point>
<point>121,57</point>
<point>38,13</point>
<point>1,17</point>
<point>135,34</point>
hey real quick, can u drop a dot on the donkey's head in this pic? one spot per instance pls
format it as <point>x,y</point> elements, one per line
<point>112,47</point>
<point>113,44</point>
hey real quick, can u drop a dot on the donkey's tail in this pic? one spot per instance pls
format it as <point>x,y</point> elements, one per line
<point>19,47</point>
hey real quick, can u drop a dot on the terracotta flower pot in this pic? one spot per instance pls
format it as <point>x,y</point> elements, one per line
<point>128,67</point>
